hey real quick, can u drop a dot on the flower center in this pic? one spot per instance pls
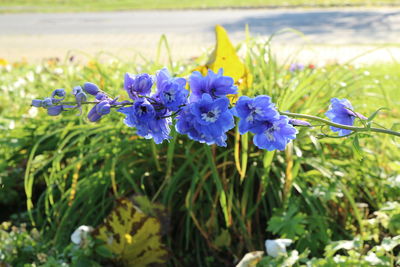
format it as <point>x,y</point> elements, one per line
<point>270,131</point>
<point>253,112</point>
<point>142,110</point>
<point>210,116</point>
<point>170,96</point>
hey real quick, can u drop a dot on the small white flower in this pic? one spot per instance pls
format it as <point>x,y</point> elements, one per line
<point>80,233</point>
<point>277,247</point>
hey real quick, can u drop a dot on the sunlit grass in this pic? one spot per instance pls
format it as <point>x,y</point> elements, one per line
<point>107,5</point>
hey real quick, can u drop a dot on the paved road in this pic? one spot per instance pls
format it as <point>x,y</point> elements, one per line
<point>346,31</point>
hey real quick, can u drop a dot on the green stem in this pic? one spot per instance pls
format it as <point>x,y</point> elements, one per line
<point>342,126</point>
<point>92,102</point>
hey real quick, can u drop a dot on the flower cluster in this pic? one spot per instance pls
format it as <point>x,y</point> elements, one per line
<point>204,115</point>
<point>260,116</point>
<point>52,103</point>
<point>151,114</point>
<point>206,118</point>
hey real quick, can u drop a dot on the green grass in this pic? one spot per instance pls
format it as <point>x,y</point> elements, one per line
<point>313,202</point>
<point>107,5</point>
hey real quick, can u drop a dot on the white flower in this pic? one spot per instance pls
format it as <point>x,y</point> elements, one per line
<point>80,233</point>
<point>277,247</point>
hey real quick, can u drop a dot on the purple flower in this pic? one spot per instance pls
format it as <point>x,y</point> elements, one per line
<point>275,134</point>
<point>295,67</point>
<point>253,111</point>
<point>138,84</point>
<point>214,84</point>
<point>171,91</point>
<point>341,111</point>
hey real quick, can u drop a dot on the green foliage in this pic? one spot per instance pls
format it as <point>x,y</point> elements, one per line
<point>288,225</point>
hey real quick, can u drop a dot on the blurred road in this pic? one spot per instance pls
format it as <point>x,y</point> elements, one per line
<point>330,34</point>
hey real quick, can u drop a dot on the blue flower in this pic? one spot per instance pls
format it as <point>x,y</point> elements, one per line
<point>138,84</point>
<point>212,116</point>
<point>214,84</point>
<point>206,120</point>
<point>341,111</point>
<point>171,91</point>
<point>148,122</point>
<point>186,124</point>
<point>275,134</point>
<point>253,111</point>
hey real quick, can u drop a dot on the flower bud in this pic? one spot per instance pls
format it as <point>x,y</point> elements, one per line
<point>93,115</point>
<point>138,85</point>
<point>76,90</point>
<point>55,110</point>
<point>296,122</point>
<point>91,88</point>
<point>47,102</point>
<point>37,103</point>
<point>103,108</point>
<point>58,92</point>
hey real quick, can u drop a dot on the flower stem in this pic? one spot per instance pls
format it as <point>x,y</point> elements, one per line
<point>94,102</point>
<point>342,126</point>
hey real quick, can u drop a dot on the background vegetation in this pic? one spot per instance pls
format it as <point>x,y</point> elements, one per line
<point>107,5</point>
<point>68,172</point>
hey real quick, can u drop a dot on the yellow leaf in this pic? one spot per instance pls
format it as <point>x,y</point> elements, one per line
<point>224,56</point>
<point>133,236</point>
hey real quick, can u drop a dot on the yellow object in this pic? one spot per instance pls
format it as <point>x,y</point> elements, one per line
<point>133,236</point>
<point>224,56</point>
<point>3,62</point>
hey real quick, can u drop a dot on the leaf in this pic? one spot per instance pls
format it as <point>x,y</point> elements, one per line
<point>223,239</point>
<point>289,225</point>
<point>333,247</point>
<point>389,243</point>
<point>133,236</point>
<point>224,56</point>
<point>370,118</point>
<point>357,147</point>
